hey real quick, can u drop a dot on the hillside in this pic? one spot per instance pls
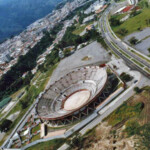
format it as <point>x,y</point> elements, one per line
<point>15,15</point>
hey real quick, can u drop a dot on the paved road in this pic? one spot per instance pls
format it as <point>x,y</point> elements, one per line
<point>109,38</point>
<point>120,43</point>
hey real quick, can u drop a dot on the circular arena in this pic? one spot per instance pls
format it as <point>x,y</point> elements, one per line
<point>71,97</point>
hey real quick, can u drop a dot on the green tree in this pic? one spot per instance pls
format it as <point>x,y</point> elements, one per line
<point>28,78</point>
<point>125,77</point>
<point>132,127</point>
<point>144,131</point>
<point>137,90</point>
<point>66,52</point>
<point>148,50</point>
<point>114,21</point>
<point>5,125</point>
<point>133,40</point>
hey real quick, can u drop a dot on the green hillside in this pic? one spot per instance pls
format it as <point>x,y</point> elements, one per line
<point>134,23</point>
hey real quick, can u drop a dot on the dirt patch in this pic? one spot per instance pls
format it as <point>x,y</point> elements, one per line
<point>55,133</point>
<point>86,58</point>
<point>106,138</point>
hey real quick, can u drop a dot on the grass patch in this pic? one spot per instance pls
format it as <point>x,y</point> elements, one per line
<point>124,53</point>
<point>120,16</point>
<point>124,112</point>
<point>134,23</point>
<point>120,50</point>
<point>23,138</point>
<point>14,96</point>
<point>35,137</point>
<point>148,70</point>
<point>140,56</point>
<point>79,29</point>
<point>36,128</point>
<point>138,63</point>
<point>50,145</point>
<point>132,127</point>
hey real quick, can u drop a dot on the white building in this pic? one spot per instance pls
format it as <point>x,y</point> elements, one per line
<point>132,2</point>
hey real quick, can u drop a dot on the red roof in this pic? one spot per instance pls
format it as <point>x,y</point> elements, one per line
<point>127,9</point>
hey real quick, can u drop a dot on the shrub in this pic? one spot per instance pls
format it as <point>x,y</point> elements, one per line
<point>132,127</point>
<point>125,77</point>
<point>137,90</point>
<point>5,125</point>
<point>133,41</point>
<point>114,21</point>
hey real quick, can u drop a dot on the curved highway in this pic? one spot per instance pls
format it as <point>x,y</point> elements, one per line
<point>109,39</point>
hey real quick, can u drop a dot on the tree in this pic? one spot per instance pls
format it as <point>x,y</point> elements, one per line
<point>139,28</point>
<point>42,68</point>
<point>148,50</point>
<point>137,90</point>
<point>146,4</point>
<point>100,39</point>
<point>134,13</point>
<point>133,41</point>
<point>5,125</point>
<point>28,78</point>
<point>114,21</point>
<point>66,52</point>
<point>24,104</point>
<point>125,77</point>
<point>76,142</point>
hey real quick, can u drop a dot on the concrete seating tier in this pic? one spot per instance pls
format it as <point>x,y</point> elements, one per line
<point>90,78</point>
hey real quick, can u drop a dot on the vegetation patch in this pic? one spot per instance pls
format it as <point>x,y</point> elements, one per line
<point>124,112</point>
<point>36,128</point>
<point>50,145</point>
<point>5,125</point>
<point>133,41</point>
<point>138,63</point>
<point>132,127</point>
<point>86,58</point>
<point>125,77</point>
<point>80,28</point>
<point>133,24</point>
<point>140,55</point>
<point>35,137</point>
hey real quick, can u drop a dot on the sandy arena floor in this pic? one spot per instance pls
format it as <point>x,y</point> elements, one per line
<point>77,100</point>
